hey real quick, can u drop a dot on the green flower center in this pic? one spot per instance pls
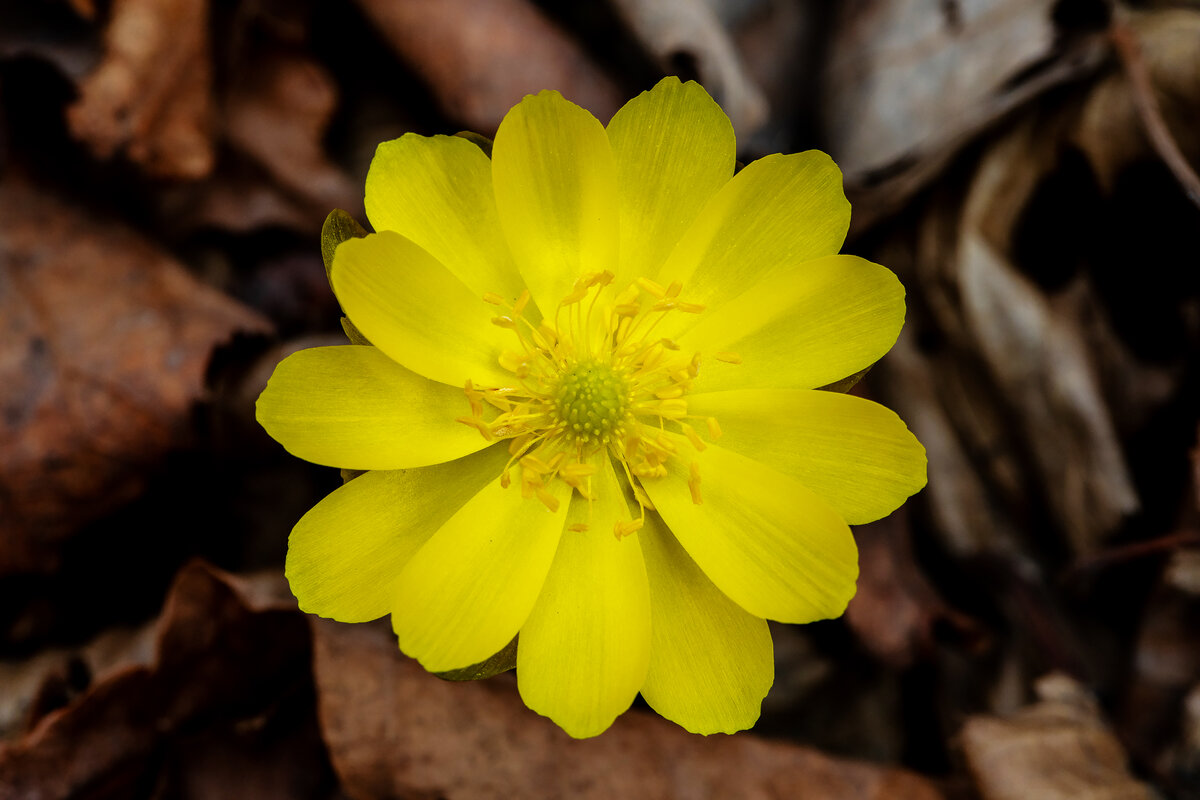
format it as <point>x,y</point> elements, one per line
<point>593,400</point>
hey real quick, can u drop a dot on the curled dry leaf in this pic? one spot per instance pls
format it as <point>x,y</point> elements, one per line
<point>104,341</point>
<point>276,113</point>
<point>1057,749</point>
<point>151,97</point>
<point>685,37</point>
<point>395,731</point>
<point>908,82</point>
<point>1110,131</point>
<point>227,653</point>
<point>481,57</point>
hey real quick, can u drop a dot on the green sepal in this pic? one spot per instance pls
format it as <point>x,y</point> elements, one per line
<point>352,333</point>
<point>503,661</point>
<point>350,474</point>
<point>845,384</point>
<point>339,226</point>
<point>480,141</point>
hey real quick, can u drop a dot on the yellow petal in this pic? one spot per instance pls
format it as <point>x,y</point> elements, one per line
<point>770,544</point>
<point>353,407</point>
<point>556,194</point>
<point>412,308</point>
<point>775,213</point>
<point>346,553</point>
<point>465,594</point>
<point>437,192</point>
<point>809,326</point>
<point>711,662</point>
<point>674,148</point>
<point>584,650</point>
<point>856,455</point>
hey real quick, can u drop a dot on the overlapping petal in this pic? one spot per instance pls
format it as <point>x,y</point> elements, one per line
<point>808,326</point>
<point>345,554</point>
<point>674,148</point>
<point>777,212</point>
<point>770,544</point>
<point>855,454</point>
<point>467,591</point>
<point>555,186</point>
<point>353,407</point>
<point>710,662</point>
<point>585,648</point>
<point>416,311</point>
<point>436,192</point>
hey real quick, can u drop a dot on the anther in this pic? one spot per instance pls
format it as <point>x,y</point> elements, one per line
<point>728,357</point>
<point>493,298</point>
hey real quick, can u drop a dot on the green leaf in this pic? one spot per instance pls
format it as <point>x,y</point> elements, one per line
<point>503,661</point>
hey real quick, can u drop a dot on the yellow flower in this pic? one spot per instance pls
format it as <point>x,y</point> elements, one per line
<point>588,409</point>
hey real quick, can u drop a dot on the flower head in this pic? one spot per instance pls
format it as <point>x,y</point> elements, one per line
<point>587,400</point>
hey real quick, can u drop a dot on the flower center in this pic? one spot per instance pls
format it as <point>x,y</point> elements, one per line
<point>593,401</point>
<point>595,380</point>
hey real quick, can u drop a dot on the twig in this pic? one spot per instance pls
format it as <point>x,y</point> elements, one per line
<point>1144,99</point>
<point>1119,555</point>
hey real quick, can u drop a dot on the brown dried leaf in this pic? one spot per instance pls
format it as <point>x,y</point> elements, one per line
<point>1056,749</point>
<point>276,113</point>
<point>1110,131</point>
<point>393,730</point>
<point>152,96</point>
<point>226,654</point>
<point>908,83</point>
<point>685,35</point>
<point>895,610</point>
<point>482,56</point>
<point>104,340</point>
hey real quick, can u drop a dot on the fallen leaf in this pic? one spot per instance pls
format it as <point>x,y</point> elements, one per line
<point>481,57</point>
<point>104,341</point>
<point>230,660</point>
<point>1057,749</point>
<point>895,611</point>
<point>393,730</point>
<point>907,83</point>
<point>151,97</point>
<point>686,38</point>
<point>276,113</point>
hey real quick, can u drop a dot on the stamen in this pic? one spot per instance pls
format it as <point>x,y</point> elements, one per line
<point>578,527</point>
<point>591,381</point>
<point>623,529</point>
<point>694,484</point>
<point>728,357</point>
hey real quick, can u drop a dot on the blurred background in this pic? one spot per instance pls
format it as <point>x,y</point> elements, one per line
<point>1027,627</point>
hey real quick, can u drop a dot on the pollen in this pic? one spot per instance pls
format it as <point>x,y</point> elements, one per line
<point>594,380</point>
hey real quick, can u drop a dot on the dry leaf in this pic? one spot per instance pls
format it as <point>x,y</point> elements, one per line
<point>276,114</point>
<point>229,661</point>
<point>393,730</point>
<point>1056,749</point>
<point>909,82</point>
<point>151,97</point>
<point>895,610</point>
<point>104,341</point>
<point>481,57</point>
<point>686,38</point>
